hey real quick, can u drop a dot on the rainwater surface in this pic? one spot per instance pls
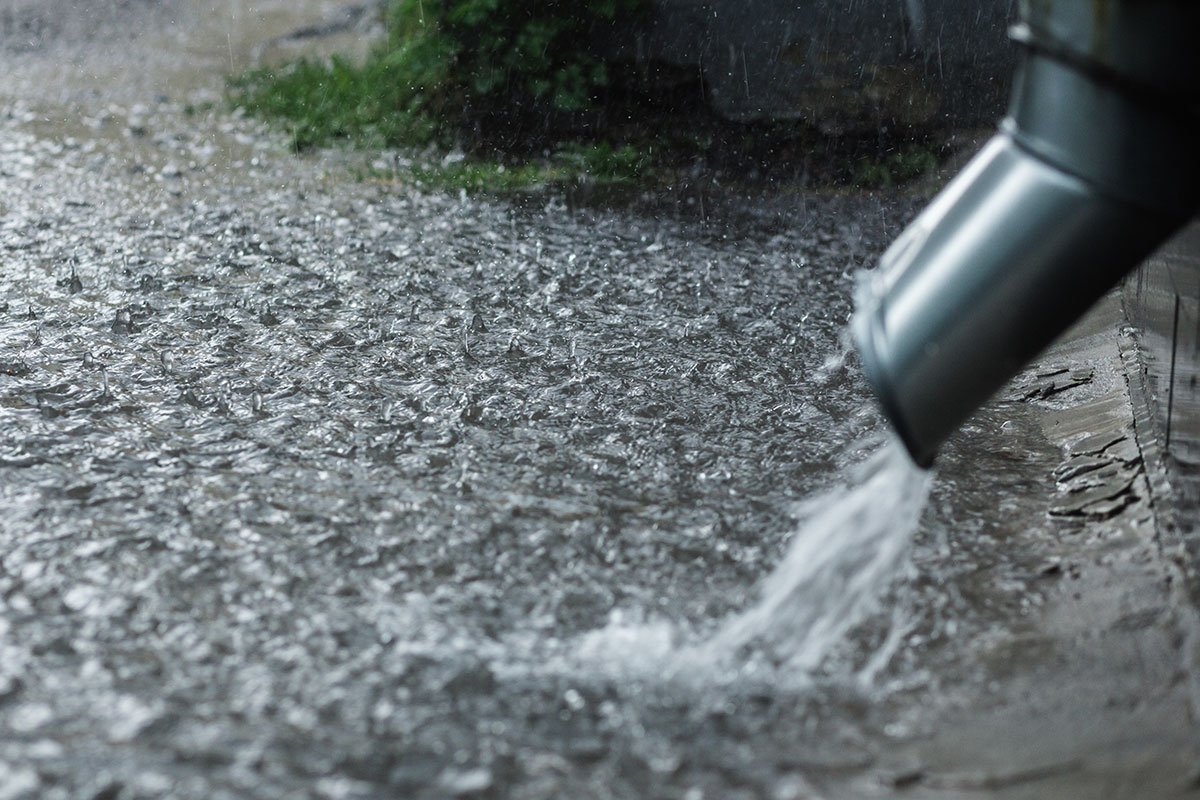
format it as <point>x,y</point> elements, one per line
<point>315,486</point>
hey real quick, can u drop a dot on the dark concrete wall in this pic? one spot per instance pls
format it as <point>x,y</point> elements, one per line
<point>842,64</point>
<point>1162,300</point>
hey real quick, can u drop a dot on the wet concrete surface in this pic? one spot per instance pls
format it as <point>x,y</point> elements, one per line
<point>1093,692</point>
<point>316,487</point>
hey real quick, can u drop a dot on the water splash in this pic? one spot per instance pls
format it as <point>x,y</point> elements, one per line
<point>850,546</point>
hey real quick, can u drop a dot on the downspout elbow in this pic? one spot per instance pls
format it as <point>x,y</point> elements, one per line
<point>1095,166</point>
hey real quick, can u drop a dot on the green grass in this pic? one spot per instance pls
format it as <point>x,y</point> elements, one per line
<point>604,162</point>
<point>895,167</point>
<point>574,163</point>
<point>515,69</point>
<point>512,86</point>
<point>323,102</point>
<point>471,176</point>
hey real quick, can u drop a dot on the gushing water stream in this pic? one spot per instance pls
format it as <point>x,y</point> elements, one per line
<point>850,545</point>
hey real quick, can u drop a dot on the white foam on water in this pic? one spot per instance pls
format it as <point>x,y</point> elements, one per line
<point>851,544</point>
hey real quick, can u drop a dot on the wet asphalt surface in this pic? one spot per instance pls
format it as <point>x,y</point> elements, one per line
<point>321,487</point>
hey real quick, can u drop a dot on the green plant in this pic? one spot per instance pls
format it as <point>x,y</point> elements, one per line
<point>448,66</point>
<point>572,162</point>
<point>895,167</point>
<point>523,89</point>
<point>601,161</point>
<point>540,52</point>
<point>382,102</point>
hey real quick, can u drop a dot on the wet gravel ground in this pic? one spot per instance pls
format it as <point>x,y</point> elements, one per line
<point>292,469</point>
<point>316,487</point>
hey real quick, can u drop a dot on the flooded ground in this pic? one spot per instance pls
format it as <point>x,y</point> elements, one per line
<point>316,487</point>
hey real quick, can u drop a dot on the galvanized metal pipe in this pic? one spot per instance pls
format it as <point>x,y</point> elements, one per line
<point>1096,164</point>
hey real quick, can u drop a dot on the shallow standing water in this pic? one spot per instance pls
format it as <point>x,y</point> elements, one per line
<point>315,487</point>
<point>326,487</point>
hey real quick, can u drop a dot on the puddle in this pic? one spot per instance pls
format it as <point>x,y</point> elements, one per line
<point>322,488</point>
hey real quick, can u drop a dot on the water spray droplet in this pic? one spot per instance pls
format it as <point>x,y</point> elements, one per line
<point>123,322</point>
